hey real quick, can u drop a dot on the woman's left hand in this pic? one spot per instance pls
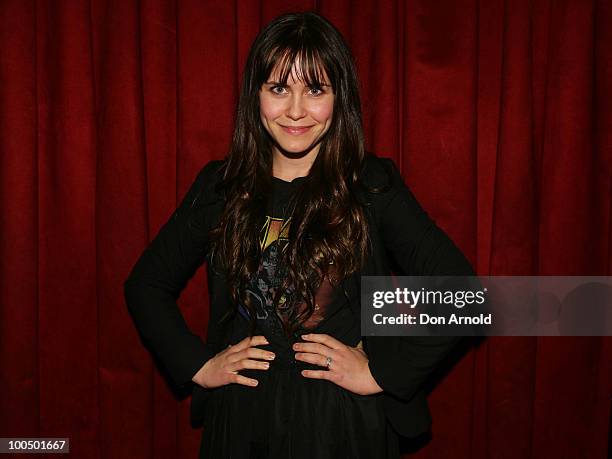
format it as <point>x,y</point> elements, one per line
<point>348,368</point>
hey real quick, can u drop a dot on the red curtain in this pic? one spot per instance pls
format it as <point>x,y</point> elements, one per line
<point>498,113</point>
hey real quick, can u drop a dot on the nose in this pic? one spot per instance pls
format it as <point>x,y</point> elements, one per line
<point>296,110</point>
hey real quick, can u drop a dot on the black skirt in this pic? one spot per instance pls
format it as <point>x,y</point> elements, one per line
<point>290,416</point>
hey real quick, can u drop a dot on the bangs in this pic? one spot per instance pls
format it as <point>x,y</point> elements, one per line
<point>306,64</point>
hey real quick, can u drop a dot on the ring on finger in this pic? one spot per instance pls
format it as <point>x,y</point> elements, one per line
<point>328,362</point>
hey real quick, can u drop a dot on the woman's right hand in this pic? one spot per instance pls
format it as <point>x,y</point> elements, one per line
<point>223,368</point>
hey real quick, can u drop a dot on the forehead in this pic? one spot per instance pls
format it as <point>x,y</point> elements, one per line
<point>306,70</point>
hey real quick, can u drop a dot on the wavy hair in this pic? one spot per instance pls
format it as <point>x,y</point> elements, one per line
<point>328,235</point>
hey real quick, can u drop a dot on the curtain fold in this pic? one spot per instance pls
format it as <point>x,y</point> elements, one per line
<point>497,113</point>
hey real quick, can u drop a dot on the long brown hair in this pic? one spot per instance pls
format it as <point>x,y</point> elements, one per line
<point>328,226</point>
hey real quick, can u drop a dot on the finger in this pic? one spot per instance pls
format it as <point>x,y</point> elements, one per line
<point>319,374</point>
<point>257,340</point>
<point>251,353</point>
<point>242,344</point>
<point>243,380</point>
<point>315,359</point>
<point>325,339</point>
<point>247,363</point>
<point>256,353</point>
<point>314,348</point>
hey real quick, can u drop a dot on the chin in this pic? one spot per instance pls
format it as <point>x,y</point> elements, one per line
<point>295,148</point>
<point>297,151</point>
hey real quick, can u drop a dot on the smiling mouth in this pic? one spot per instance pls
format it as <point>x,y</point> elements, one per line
<point>295,130</point>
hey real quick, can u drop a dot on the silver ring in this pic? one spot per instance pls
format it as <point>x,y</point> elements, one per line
<point>328,362</point>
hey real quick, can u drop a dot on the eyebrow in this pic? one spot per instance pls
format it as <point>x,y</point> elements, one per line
<point>278,83</point>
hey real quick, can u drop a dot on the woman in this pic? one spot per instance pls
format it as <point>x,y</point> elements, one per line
<point>288,223</point>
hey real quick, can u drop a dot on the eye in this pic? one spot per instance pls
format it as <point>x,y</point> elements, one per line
<point>278,89</point>
<point>316,90</point>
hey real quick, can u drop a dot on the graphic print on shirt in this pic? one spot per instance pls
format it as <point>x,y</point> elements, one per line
<point>274,229</point>
<point>269,278</point>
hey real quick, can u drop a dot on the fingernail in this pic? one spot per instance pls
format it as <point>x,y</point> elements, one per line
<point>265,364</point>
<point>253,383</point>
<point>270,356</point>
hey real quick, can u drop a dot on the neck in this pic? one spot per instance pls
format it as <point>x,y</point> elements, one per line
<point>288,168</point>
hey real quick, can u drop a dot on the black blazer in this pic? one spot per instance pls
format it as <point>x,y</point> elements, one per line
<point>400,233</point>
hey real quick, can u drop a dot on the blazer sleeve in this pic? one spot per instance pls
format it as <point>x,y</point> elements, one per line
<point>401,365</point>
<point>159,276</point>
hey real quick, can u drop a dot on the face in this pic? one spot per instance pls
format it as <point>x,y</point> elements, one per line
<point>295,115</point>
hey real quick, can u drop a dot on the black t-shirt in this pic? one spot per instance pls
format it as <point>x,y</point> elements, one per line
<point>272,271</point>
